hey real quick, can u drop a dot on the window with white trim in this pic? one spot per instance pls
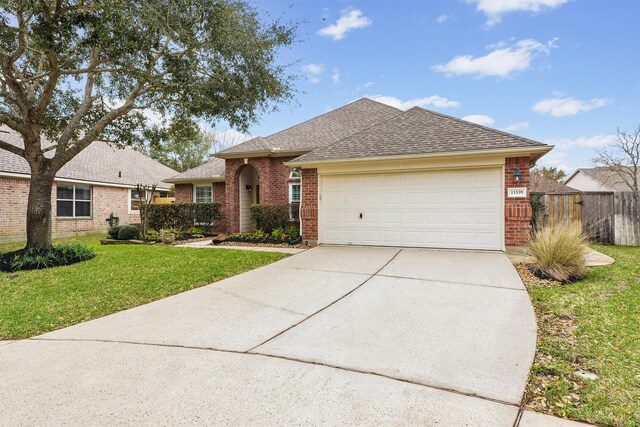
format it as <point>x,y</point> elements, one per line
<point>73,201</point>
<point>294,192</point>
<point>203,193</point>
<point>134,201</point>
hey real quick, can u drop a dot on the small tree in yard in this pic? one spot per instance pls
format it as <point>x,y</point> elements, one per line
<point>624,159</point>
<point>73,72</point>
<point>146,193</point>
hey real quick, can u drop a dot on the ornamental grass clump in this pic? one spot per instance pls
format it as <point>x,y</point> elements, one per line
<point>559,253</point>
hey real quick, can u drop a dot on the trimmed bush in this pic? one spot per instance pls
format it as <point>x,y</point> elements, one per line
<point>128,232</point>
<point>32,259</point>
<point>182,215</point>
<point>113,231</point>
<point>271,217</point>
<point>559,253</point>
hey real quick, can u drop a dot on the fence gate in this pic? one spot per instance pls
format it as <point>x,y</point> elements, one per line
<point>563,208</point>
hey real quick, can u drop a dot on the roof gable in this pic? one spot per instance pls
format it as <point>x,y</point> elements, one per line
<point>418,131</point>
<point>606,176</point>
<point>321,130</point>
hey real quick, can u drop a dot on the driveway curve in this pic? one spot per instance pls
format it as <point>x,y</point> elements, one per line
<point>333,335</point>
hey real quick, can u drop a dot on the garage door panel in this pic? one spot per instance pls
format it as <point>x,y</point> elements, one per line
<point>448,209</point>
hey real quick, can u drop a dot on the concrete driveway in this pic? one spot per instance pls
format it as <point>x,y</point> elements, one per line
<point>333,335</point>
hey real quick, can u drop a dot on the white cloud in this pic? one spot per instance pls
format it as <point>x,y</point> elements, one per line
<point>443,18</point>
<point>559,107</point>
<point>501,62</point>
<point>314,72</point>
<point>350,19</point>
<point>495,9</point>
<point>597,141</point>
<point>480,119</point>
<point>335,77</point>
<point>516,126</point>
<point>431,101</point>
<point>365,85</point>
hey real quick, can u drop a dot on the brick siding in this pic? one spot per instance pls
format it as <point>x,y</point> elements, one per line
<point>13,210</point>
<point>517,211</point>
<point>184,193</point>
<point>309,209</point>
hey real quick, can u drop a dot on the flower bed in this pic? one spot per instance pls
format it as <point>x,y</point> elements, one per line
<point>279,235</point>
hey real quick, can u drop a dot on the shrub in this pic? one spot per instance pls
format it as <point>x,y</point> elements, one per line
<point>559,252</point>
<point>128,232</point>
<point>33,259</point>
<point>292,231</point>
<point>270,217</point>
<point>113,231</point>
<point>182,215</point>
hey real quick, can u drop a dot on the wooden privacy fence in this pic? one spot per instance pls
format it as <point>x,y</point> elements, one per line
<point>607,218</point>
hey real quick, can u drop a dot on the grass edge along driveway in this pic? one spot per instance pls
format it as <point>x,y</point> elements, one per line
<point>118,278</point>
<point>594,325</point>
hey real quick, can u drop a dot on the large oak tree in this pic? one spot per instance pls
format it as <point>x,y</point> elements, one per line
<point>75,71</point>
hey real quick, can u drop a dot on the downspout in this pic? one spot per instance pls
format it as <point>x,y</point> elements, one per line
<point>300,205</point>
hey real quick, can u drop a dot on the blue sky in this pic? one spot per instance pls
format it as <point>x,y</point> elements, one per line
<point>566,72</point>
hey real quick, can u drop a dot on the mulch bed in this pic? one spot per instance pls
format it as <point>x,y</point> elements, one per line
<point>530,279</point>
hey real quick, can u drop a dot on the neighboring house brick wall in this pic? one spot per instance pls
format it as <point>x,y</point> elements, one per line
<point>184,193</point>
<point>273,177</point>
<point>517,211</point>
<point>309,208</point>
<point>13,210</point>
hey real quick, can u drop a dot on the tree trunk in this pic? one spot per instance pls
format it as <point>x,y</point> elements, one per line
<point>39,211</point>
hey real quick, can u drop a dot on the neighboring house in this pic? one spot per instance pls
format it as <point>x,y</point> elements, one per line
<point>97,182</point>
<point>542,184</point>
<point>370,174</point>
<point>598,179</point>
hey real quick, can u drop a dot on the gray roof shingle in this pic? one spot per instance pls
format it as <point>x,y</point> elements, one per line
<point>212,169</point>
<point>609,177</point>
<point>321,130</point>
<point>99,162</point>
<point>417,131</point>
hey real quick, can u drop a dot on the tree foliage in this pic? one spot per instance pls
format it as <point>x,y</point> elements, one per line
<point>80,70</point>
<point>550,172</point>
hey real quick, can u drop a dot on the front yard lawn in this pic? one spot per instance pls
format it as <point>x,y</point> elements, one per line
<point>119,277</point>
<point>593,325</point>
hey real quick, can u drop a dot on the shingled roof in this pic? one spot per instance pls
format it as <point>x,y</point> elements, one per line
<point>417,132</point>
<point>319,131</point>
<point>212,170</point>
<point>607,176</point>
<point>99,162</point>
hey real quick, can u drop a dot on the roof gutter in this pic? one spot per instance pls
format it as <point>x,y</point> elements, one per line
<point>74,180</point>
<point>261,153</point>
<point>212,178</point>
<point>534,152</point>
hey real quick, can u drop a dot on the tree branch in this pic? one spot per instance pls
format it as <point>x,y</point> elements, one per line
<point>11,148</point>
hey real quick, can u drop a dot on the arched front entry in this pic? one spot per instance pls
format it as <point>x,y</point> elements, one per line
<point>249,188</point>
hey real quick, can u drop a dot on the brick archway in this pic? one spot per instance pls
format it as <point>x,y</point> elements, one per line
<point>233,171</point>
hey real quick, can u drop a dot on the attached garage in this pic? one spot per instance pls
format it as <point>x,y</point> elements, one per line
<point>461,209</point>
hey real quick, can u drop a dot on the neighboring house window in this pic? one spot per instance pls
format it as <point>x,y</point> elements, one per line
<point>202,193</point>
<point>73,201</point>
<point>134,201</point>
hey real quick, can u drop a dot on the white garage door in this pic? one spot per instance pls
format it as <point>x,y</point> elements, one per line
<point>437,209</point>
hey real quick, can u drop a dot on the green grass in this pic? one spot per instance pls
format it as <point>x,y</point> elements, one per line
<point>119,277</point>
<point>592,324</point>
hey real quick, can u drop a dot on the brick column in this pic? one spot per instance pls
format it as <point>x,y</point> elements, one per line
<point>517,211</point>
<point>309,208</point>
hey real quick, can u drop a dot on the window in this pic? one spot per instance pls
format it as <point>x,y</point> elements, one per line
<point>134,201</point>
<point>73,201</point>
<point>295,173</point>
<point>294,192</point>
<point>202,193</point>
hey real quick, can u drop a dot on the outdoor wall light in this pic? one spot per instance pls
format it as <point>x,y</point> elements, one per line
<point>248,187</point>
<point>516,174</point>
